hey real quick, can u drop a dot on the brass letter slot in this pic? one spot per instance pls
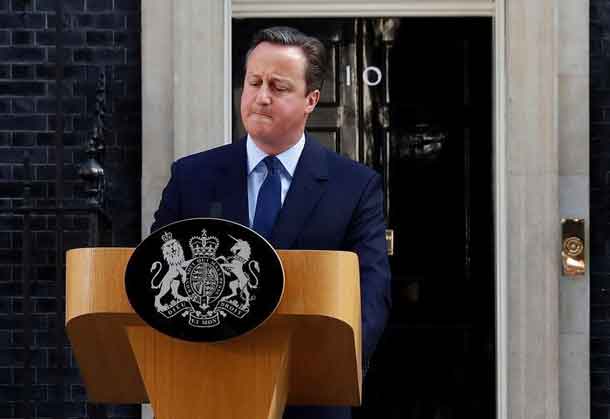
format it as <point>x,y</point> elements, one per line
<point>573,246</point>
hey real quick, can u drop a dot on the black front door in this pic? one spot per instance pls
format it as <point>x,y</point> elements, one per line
<point>412,98</point>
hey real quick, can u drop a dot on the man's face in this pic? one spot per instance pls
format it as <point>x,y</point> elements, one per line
<point>274,106</point>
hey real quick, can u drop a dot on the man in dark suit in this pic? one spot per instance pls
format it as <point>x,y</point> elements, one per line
<point>284,184</point>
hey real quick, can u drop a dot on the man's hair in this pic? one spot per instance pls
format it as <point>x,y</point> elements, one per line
<point>313,49</point>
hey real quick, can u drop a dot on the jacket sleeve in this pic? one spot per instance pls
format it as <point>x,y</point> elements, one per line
<point>169,208</point>
<point>366,237</point>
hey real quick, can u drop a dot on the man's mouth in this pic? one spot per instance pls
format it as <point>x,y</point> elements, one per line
<point>262,114</point>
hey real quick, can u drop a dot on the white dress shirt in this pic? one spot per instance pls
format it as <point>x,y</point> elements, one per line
<point>257,170</point>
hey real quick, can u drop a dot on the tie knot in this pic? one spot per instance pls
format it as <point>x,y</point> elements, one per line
<point>273,164</point>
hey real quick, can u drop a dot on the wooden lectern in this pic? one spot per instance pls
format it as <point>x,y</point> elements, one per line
<point>307,353</point>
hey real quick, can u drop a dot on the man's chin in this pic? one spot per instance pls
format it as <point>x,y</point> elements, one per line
<point>263,138</point>
<point>261,133</point>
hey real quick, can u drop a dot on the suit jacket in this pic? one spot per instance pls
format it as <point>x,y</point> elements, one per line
<point>333,203</point>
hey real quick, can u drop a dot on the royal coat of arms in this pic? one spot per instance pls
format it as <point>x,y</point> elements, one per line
<point>204,279</point>
<point>206,287</point>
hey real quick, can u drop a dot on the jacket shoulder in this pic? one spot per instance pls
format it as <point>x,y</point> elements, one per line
<point>343,167</point>
<point>207,158</point>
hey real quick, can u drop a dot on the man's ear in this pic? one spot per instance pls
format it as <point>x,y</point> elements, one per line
<point>312,99</point>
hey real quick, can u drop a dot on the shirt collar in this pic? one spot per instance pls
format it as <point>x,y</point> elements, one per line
<point>289,158</point>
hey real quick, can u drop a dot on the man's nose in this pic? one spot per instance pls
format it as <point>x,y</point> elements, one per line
<point>262,96</point>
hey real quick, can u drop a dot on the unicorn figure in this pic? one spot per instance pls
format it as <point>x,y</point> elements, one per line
<point>241,285</point>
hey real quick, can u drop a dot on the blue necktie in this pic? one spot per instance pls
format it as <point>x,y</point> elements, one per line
<point>269,199</point>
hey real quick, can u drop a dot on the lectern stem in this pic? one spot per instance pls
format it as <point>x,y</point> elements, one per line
<point>243,378</point>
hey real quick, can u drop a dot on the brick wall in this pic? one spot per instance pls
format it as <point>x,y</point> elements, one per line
<point>100,36</point>
<point>600,208</point>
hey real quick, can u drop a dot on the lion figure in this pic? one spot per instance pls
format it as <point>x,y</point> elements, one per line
<point>174,256</point>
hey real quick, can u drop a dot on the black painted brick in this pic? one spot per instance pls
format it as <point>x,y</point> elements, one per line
<point>23,139</point>
<point>47,71</point>
<point>133,21</point>
<point>600,394</point>
<point>20,375</point>
<point>68,21</point>
<point>98,5</point>
<point>68,5</point>
<point>11,393</point>
<point>22,37</point>
<point>11,223</point>
<point>83,124</point>
<point>600,313</point>
<point>22,54</point>
<point>100,55</point>
<point>15,189</point>
<point>127,39</point>
<point>123,410</point>
<point>5,105</point>
<point>6,375</point>
<point>23,123</point>
<point>20,88</point>
<point>83,88</point>
<point>5,338</point>
<point>23,105</point>
<point>4,301</point>
<point>101,21</point>
<point>127,5</point>
<point>66,89</point>
<point>16,155</point>
<point>69,190</point>
<point>41,287</point>
<point>67,54</point>
<point>118,89</point>
<point>77,392</point>
<point>71,410</point>
<point>70,38</point>
<point>45,305</point>
<point>49,337</point>
<point>52,121</point>
<point>133,56</point>
<point>601,97</point>
<point>22,72</point>
<point>21,21</point>
<point>68,139</point>
<point>22,5</point>
<point>93,30</point>
<point>68,156</point>
<point>15,356</point>
<point>93,73</point>
<point>3,5</point>
<point>69,105</point>
<point>599,380</point>
<point>100,38</point>
<point>600,411</point>
<point>47,172</point>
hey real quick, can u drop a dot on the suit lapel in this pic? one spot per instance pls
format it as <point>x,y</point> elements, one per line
<point>232,186</point>
<point>305,191</point>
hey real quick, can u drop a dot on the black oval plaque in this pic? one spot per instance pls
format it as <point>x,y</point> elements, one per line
<point>204,279</point>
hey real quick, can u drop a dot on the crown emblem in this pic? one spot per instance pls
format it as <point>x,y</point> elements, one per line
<point>204,245</point>
<point>167,236</point>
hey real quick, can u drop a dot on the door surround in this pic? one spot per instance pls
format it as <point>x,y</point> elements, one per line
<point>525,150</point>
